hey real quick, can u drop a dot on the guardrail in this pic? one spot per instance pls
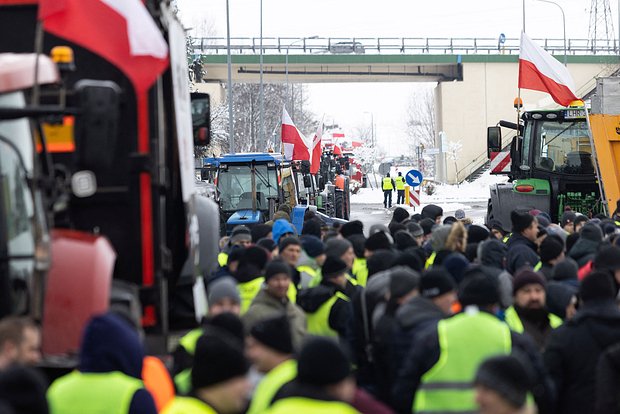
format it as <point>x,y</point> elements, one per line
<point>392,45</point>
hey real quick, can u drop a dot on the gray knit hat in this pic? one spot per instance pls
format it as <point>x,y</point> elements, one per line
<point>224,287</point>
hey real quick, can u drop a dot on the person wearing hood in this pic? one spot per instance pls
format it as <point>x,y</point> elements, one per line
<point>360,268</point>
<point>432,212</point>
<point>437,243</point>
<point>492,259</point>
<point>608,258</point>
<point>566,272</point>
<point>586,247</point>
<point>521,245</point>
<point>574,348</point>
<point>562,300</point>
<point>273,300</point>
<point>328,308</point>
<point>404,285</point>
<point>310,262</point>
<point>108,378</point>
<point>282,228</point>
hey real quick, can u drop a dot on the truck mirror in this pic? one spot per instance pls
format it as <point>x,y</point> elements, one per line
<point>307,181</point>
<point>96,127</point>
<point>201,118</point>
<point>494,140</point>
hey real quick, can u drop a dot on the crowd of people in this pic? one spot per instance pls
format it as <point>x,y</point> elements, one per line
<point>425,315</point>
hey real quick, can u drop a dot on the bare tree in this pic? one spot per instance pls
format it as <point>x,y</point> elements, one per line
<point>420,119</point>
<point>364,133</point>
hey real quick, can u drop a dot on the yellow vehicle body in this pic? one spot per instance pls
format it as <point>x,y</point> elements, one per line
<point>606,136</point>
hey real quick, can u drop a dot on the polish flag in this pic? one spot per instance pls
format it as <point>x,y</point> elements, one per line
<point>121,31</point>
<point>540,71</point>
<point>315,162</point>
<point>294,142</point>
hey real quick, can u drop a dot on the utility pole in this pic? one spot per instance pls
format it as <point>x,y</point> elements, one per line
<point>231,120</point>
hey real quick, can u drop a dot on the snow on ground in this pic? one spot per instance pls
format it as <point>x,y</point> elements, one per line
<point>448,197</point>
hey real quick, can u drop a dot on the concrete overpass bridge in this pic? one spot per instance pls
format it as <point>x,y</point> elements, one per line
<point>476,77</point>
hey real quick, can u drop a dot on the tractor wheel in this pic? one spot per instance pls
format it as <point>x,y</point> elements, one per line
<point>339,204</point>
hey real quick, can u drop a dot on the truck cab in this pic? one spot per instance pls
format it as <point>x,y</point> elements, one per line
<point>551,166</point>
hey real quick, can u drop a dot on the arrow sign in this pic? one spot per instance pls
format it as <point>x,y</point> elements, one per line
<point>414,178</point>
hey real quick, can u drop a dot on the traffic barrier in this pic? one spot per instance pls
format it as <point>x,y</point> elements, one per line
<point>412,196</point>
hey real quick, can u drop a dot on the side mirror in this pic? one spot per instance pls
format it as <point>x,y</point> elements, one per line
<point>307,181</point>
<point>96,128</point>
<point>201,118</point>
<point>494,140</point>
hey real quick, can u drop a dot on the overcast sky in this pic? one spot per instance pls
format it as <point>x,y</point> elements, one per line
<point>347,103</point>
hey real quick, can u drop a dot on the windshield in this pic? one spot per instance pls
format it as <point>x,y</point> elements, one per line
<point>235,185</point>
<point>562,147</point>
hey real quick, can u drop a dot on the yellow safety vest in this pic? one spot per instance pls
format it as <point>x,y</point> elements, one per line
<point>188,405</point>
<point>89,392</point>
<point>430,260</point>
<point>222,259</point>
<point>314,274</point>
<point>465,340</point>
<point>360,271</point>
<point>318,322</point>
<point>387,184</point>
<point>248,291</point>
<point>538,266</point>
<point>400,182</point>
<point>514,321</point>
<point>301,405</point>
<point>270,384</point>
<point>183,380</point>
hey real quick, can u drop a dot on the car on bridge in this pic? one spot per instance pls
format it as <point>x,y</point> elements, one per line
<point>347,47</point>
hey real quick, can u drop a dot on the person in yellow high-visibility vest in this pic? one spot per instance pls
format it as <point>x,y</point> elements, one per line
<point>270,348</point>
<point>387,185</point>
<point>219,377</point>
<point>400,188</point>
<point>438,375</point>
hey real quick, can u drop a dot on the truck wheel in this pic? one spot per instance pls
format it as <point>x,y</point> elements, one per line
<point>347,206</point>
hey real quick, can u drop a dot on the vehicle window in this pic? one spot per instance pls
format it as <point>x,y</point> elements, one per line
<point>235,185</point>
<point>17,238</point>
<point>563,147</point>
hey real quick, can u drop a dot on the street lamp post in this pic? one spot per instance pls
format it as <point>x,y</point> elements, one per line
<point>289,96</point>
<point>261,132</point>
<point>231,137</point>
<point>563,24</point>
<point>372,127</point>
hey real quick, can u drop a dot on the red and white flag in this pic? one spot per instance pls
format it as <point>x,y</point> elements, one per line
<point>121,31</point>
<point>540,71</point>
<point>293,141</point>
<point>315,162</point>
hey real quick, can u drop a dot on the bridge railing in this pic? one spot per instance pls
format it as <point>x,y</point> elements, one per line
<point>395,45</point>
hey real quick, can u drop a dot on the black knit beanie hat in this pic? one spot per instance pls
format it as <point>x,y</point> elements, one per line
<point>507,376</point>
<point>276,267</point>
<point>275,333</point>
<point>520,221</point>
<point>219,357</point>
<point>322,362</point>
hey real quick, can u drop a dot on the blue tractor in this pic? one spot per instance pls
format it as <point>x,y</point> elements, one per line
<point>252,186</point>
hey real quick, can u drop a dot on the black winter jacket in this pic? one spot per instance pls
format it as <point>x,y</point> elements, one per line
<point>521,252</point>
<point>573,353</point>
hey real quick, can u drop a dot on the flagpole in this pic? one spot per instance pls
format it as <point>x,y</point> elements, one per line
<point>597,168</point>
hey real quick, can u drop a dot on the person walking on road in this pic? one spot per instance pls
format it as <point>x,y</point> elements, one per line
<point>387,186</point>
<point>400,188</point>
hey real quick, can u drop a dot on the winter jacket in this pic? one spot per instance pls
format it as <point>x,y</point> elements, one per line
<point>318,395</point>
<point>111,344</point>
<point>608,382</point>
<point>425,354</point>
<point>573,352</point>
<point>521,252</point>
<point>412,318</point>
<point>341,315</point>
<point>583,251</point>
<point>265,306</point>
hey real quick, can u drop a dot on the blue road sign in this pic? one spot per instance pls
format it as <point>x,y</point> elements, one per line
<point>414,178</point>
